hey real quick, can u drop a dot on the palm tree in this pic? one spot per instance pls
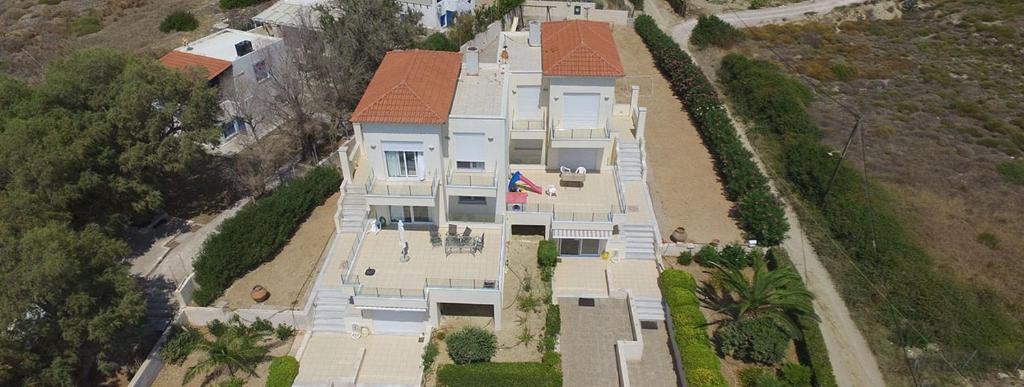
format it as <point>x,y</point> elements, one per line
<point>236,348</point>
<point>778,294</point>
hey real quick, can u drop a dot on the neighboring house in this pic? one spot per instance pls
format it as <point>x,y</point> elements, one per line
<point>239,64</point>
<point>285,14</point>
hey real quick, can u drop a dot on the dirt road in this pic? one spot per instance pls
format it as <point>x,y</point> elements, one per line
<point>852,360</point>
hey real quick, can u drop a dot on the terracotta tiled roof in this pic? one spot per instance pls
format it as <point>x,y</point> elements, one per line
<point>580,48</point>
<point>180,60</point>
<point>411,87</point>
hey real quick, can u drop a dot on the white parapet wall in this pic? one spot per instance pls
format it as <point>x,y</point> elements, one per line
<point>572,10</point>
<point>199,316</point>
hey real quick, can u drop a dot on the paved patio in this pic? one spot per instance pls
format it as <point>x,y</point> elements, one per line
<point>656,368</point>
<point>598,193</point>
<point>580,277</point>
<point>588,340</point>
<point>382,252</point>
<point>387,360</point>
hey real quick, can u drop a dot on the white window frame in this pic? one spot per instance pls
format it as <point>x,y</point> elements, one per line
<point>237,125</point>
<point>473,200</point>
<point>474,166</point>
<point>579,248</point>
<point>256,71</point>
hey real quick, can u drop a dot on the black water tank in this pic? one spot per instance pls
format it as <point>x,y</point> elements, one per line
<point>243,47</point>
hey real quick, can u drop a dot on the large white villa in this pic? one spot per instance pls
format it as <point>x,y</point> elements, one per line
<point>441,142</point>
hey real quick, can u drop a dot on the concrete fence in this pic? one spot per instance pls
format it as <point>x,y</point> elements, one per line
<point>150,368</point>
<point>573,10</point>
<point>199,316</point>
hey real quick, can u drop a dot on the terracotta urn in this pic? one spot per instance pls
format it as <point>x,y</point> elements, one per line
<point>259,293</point>
<point>678,235</point>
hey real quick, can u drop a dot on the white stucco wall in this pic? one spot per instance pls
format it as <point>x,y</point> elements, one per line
<point>429,135</point>
<point>558,86</point>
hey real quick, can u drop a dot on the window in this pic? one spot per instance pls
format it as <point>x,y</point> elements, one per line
<point>580,247</point>
<point>410,214</point>
<point>470,165</point>
<point>231,128</point>
<point>474,200</point>
<point>261,70</point>
<point>403,163</point>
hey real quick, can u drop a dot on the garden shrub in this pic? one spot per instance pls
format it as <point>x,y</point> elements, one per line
<point>637,4</point>
<point>471,345</point>
<point>754,339</point>
<point>85,25</point>
<point>733,162</point>
<point>283,370</point>
<point>679,6</point>
<point>707,256</point>
<point>232,4</point>
<point>258,231</point>
<point>868,231</point>
<point>438,41</point>
<point>499,375</point>
<point>284,332</point>
<point>685,258</point>
<point>547,253</point>
<point>180,343</point>
<point>233,381</point>
<point>811,347</point>
<point>843,72</point>
<point>757,377</point>
<point>712,31</point>
<point>695,352</point>
<point>734,256</point>
<point>795,375</point>
<point>429,355</point>
<point>179,21</point>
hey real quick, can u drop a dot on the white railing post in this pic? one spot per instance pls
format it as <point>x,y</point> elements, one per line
<point>641,122</point>
<point>634,99</point>
<point>346,168</point>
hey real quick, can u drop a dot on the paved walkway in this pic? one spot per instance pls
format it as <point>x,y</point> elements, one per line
<point>852,360</point>
<point>656,369</point>
<point>588,340</point>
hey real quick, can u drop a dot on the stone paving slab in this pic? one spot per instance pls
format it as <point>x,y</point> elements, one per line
<point>588,341</point>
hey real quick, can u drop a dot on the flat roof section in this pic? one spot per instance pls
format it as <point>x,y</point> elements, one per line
<point>221,44</point>
<point>521,56</point>
<point>479,95</point>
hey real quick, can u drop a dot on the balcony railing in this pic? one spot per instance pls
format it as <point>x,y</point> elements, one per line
<point>568,213</point>
<point>411,188</point>
<point>475,179</point>
<point>529,124</point>
<point>559,131</point>
<point>451,283</point>
<point>371,291</point>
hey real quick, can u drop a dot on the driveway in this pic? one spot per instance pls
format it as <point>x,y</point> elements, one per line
<point>587,341</point>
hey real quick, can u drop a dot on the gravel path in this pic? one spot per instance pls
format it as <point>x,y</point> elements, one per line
<point>852,360</point>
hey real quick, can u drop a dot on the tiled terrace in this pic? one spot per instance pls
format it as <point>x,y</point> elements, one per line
<point>597,197</point>
<point>382,252</point>
<point>387,360</point>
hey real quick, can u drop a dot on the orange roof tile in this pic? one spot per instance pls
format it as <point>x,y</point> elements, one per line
<point>580,48</point>
<point>180,60</point>
<point>411,87</point>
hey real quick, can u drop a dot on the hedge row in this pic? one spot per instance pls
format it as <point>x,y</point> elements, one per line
<point>637,4</point>
<point>232,4</point>
<point>499,375</point>
<point>760,213</point>
<point>679,6</point>
<point>712,31</point>
<point>917,296</point>
<point>811,350</point>
<point>258,231</point>
<point>283,371</point>
<point>695,351</point>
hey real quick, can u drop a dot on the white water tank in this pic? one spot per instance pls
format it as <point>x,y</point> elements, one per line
<point>472,60</point>
<point>534,39</point>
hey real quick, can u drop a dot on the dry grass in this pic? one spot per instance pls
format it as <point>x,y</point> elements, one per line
<point>171,375</point>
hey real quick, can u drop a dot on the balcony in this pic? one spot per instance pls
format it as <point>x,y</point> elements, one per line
<point>567,137</point>
<point>529,128</point>
<point>414,192</point>
<point>469,182</point>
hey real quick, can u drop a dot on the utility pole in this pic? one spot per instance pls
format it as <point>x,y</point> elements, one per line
<point>839,163</point>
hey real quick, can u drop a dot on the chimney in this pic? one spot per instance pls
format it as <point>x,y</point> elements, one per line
<point>472,58</point>
<point>534,39</point>
<point>243,47</point>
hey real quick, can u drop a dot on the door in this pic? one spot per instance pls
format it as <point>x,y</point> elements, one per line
<point>528,103</point>
<point>403,160</point>
<point>580,110</point>
<point>410,214</point>
<point>398,321</point>
<point>572,158</point>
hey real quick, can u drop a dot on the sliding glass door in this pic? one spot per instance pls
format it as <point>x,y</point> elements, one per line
<point>404,164</point>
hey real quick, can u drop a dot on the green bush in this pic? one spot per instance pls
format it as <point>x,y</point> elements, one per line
<point>735,256</point>
<point>712,31</point>
<point>698,358</point>
<point>232,4</point>
<point>679,6</point>
<point>179,21</point>
<point>755,339</point>
<point>547,253</point>
<point>233,381</point>
<point>258,231</point>
<point>284,332</point>
<point>499,375</point>
<point>869,233</point>
<point>685,258</point>
<point>758,377</point>
<point>734,163</point>
<point>85,25</point>
<point>471,345</point>
<point>707,256</point>
<point>180,343</point>
<point>438,42</point>
<point>1012,171</point>
<point>429,355</point>
<point>795,374</point>
<point>283,371</point>
<point>637,4</point>
<point>811,348</point>
<point>843,72</point>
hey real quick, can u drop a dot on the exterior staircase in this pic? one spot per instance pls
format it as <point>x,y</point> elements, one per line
<point>649,308</point>
<point>630,161</point>
<point>329,310</point>
<point>353,209</point>
<point>641,240</point>
<point>160,304</point>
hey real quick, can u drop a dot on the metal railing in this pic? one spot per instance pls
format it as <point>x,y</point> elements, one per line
<point>530,124</point>
<point>353,254</point>
<point>351,280</point>
<point>372,291</point>
<point>479,179</point>
<point>568,213</point>
<point>601,132</point>
<point>619,192</point>
<point>411,188</point>
<point>452,283</point>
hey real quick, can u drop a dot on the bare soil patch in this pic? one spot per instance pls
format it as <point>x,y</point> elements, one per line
<point>685,188</point>
<point>171,375</point>
<point>290,275</point>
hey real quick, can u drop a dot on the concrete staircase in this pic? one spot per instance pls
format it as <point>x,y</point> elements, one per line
<point>353,209</point>
<point>641,240</point>
<point>649,308</point>
<point>329,308</point>
<point>160,304</point>
<point>630,161</point>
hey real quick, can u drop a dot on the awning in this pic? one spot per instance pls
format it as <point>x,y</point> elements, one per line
<point>580,234</point>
